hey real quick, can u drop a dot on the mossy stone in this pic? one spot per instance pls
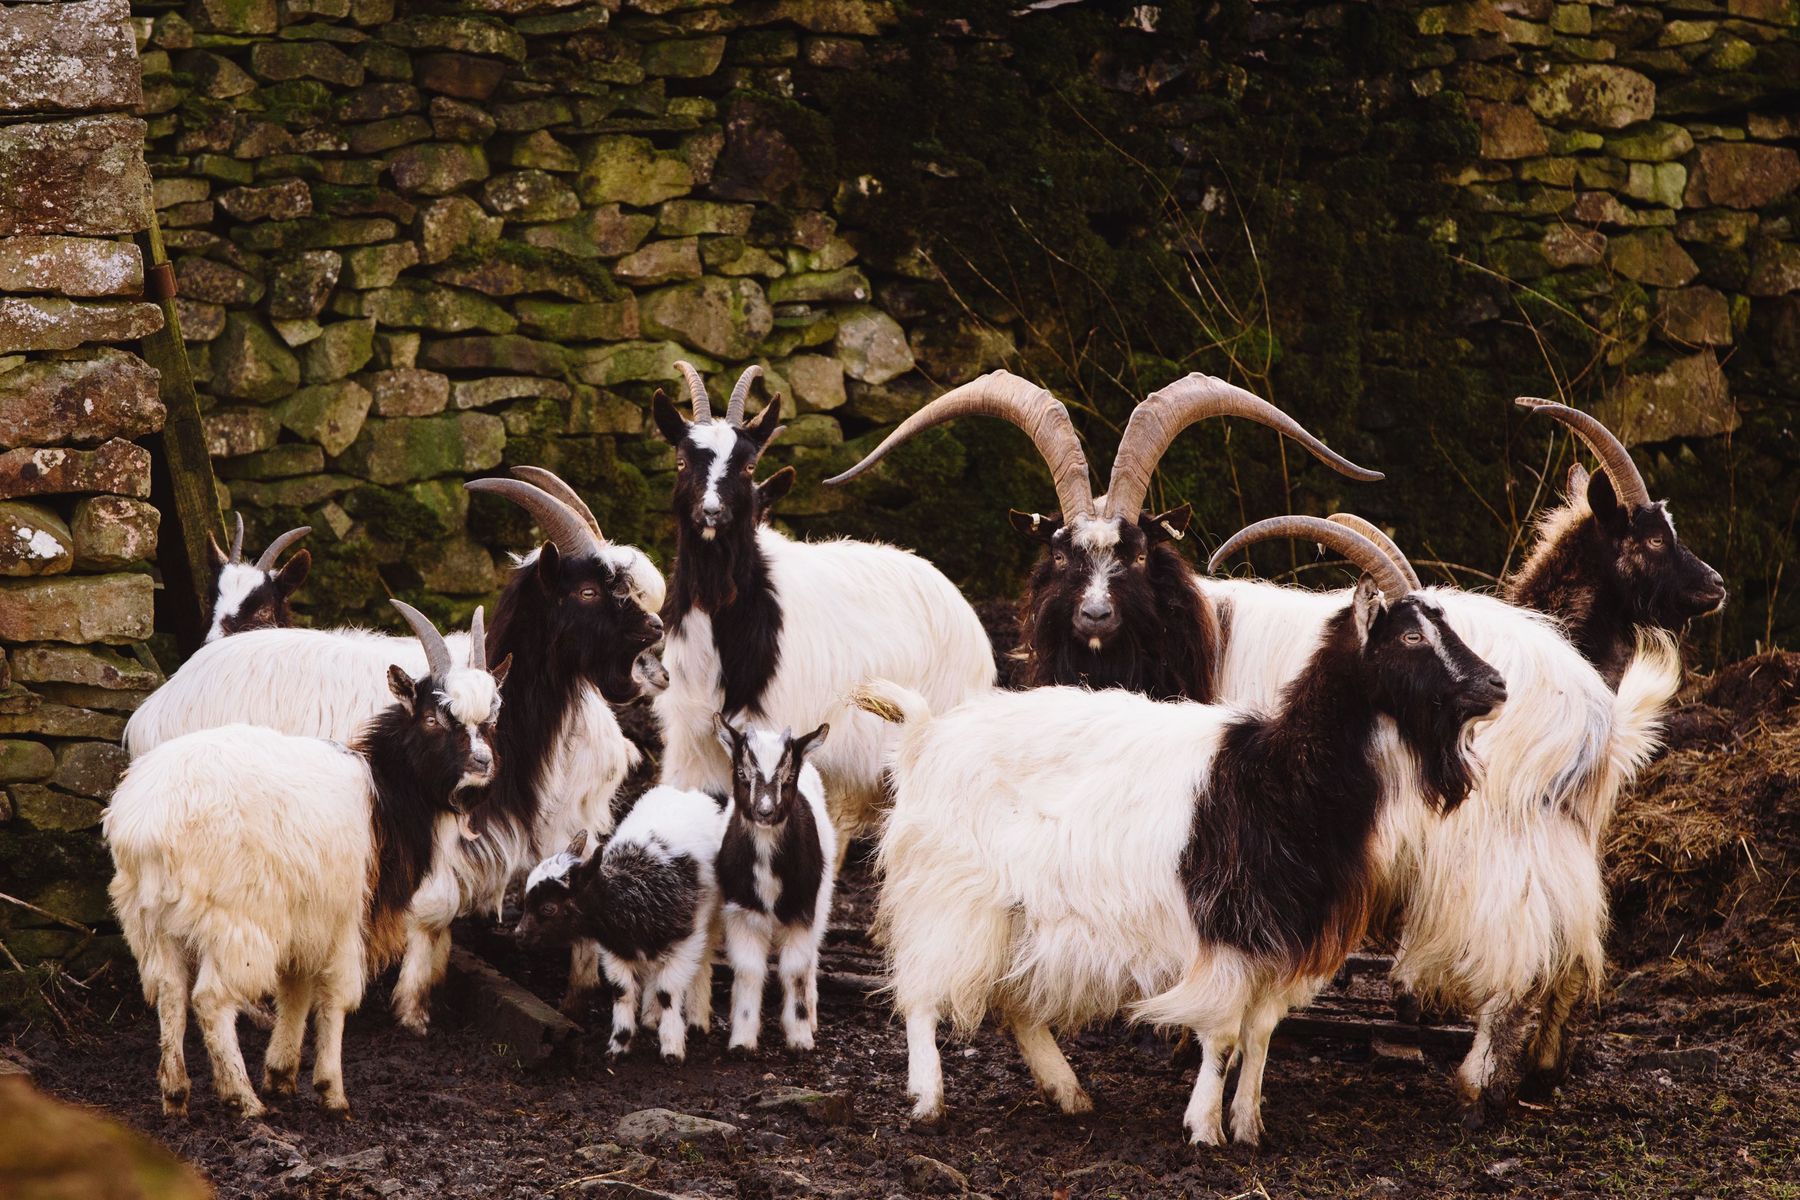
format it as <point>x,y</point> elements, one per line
<point>344,348</point>
<point>250,363</point>
<point>629,170</point>
<point>25,762</point>
<point>402,449</point>
<point>418,304</point>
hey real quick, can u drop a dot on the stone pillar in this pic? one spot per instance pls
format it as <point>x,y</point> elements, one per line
<point>76,528</point>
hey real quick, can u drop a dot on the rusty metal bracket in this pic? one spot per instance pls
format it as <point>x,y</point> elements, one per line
<point>159,282</point>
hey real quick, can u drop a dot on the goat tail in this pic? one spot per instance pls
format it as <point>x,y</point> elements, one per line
<point>1649,684</point>
<point>892,703</point>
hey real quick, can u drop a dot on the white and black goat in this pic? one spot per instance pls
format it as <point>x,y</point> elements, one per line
<point>776,872</point>
<point>1608,562</point>
<point>649,899</point>
<point>1063,855</point>
<point>254,595</point>
<point>576,615</point>
<point>774,631</point>
<point>1110,602</point>
<point>249,861</point>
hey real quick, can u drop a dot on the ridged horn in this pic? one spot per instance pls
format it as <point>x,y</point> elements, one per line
<point>437,654</point>
<point>279,546</point>
<point>478,640</point>
<point>1382,541</point>
<point>560,523</point>
<point>1003,394</point>
<point>696,387</point>
<point>1352,545</point>
<point>551,482</point>
<point>1611,452</point>
<point>237,540</point>
<point>1163,414</point>
<point>740,392</point>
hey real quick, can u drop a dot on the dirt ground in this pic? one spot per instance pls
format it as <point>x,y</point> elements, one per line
<point>1687,1084</point>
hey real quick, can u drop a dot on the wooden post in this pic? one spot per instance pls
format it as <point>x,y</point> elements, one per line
<point>182,483</point>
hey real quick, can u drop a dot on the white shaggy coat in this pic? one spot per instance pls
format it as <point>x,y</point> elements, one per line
<point>850,611</point>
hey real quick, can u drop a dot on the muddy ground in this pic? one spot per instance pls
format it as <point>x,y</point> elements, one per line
<point>1687,1084</point>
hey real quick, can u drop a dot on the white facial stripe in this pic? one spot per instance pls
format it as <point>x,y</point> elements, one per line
<point>555,868</point>
<point>236,582</point>
<point>766,749</point>
<point>471,696</point>
<point>1437,643</point>
<point>720,439</point>
<point>1100,581</point>
<point>1095,536</point>
<point>1662,506</point>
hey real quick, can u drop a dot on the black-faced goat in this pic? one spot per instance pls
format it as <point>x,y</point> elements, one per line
<point>254,595</point>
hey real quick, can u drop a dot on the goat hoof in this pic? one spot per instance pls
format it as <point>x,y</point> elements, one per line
<point>928,1119</point>
<point>175,1104</point>
<point>673,1060</point>
<point>280,1082</point>
<point>249,1109</point>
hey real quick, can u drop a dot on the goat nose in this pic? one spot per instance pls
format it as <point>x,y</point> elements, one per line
<point>656,625</point>
<point>1498,683</point>
<point>1096,610</point>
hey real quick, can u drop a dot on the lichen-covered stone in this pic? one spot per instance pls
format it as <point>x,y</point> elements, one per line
<point>480,393</point>
<point>399,450</point>
<point>1687,398</point>
<point>329,414</point>
<point>453,225</point>
<point>76,608</point>
<point>1654,141</point>
<point>459,121</point>
<point>726,318</point>
<point>305,60</point>
<point>215,282</point>
<point>199,320</point>
<point>379,101</point>
<point>115,466</point>
<point>1597,95</point>
<point>1741,175</point>
<point>567,322</point>
<point>89,768</point>
<point>457,567</point>
<point>48,809</point>
<point>1774,269</point>
<point>55,323</point>
<point>278,462</point>
<point>234,431</point>
<point>1657,183</point>
<point>530,196</point>
<point>74,56</point>
<point>632,362</point>
<point>461,34</point>
<point>80,401</point>
<point>629,170</point>
<point>418,304</point>
<point>70,266</point>
<point>407,392</point>
<point>233,16</point>
<point>250,363</point>
<point>85,665</point>
<point>370,267</point>
<point>437,168</point>
<point>847,285</point>
<point>300,283</point>
<point>660,262</point>
<point>1651,256</point>
<point>690,58</point>
<point>1695,316</point>
<point>541,150</point>
<point>278,202</point>
<point>33,541</point>
<point>341,350</point>
<point>25,762</point>
<point>1508,131</point>
<point>377,137</point>
<point>62,721</point>
<point>872,346</point>
<point>1569,246</point>
<point>815,380</point>
<point>314,233</point>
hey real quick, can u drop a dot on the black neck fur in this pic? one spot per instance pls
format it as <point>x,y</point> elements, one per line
<point>1568,577</point>
<point>412,787</point>
<point>796,861</point>
<point>727,578</point>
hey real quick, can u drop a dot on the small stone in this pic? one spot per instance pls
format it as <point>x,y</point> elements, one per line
<point>1657,183</point>
<point>417,304</point>
<point>214,282</point>
<point>395,451</point>
<point>455,224</point>
<point>115,466</point>
<point>234,431</point>
<point>314,233</point>
<point>300,283</point>
<point>407,392</point>
<point>524,116</point>
<point>1774,269</point>
<point>44,808</point>
<point>692,58</point>
<point>279,202</point>
<point>89,768</point>
<point>25,762</point>
<point>660,262</point>
<point>630,170</point>
<point>1741,175</point>
<point>87,666</point>
<point>872,346</point>
<point>846,285</point>
<point>277,462</point>
<point>76,608</point>
<point>297,333</point>
<point>510,353</point>
<point>378,137</point>
<point>1688,398</point>
<point>305,60</point>
<point>633,362</point>
<point>1696,316</point>
<point>379,101</point>
<point>342,350</point>
<point>461,75</point>
<point>331,414</point>
<point>1716,227</point>
<point>824,1108</point>
<point>249,363</point>
<point>437,168</point>
<point>817,381</point>
<point>530,196</point>
<point>456,566</point>
<point>1508,131</point>
<point>233,16</point>
<point>479,393</point>
<point>933,1178</point>
<point>957,352</point>
<point>54,323</point>
<point>84,401</point>
<point>541,150</point>
<point>734,256</point>
<point>1654,141</point>
<point>198,320</point>
<point>1691,1062</point>
<point>463,34</point>
<point>726,318</point>
<point>1598,96</point>
<point>1651,256</point>
<point>70,266</point>
<point>112,532</point>
<point>33,541</point>
<point>603,321</point>
<point>662,1127</point>
<point>369,267</point>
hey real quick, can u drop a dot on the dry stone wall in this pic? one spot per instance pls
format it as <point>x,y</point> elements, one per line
<point>77,531</point>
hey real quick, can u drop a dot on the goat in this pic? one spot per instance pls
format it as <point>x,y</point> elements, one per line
<point>1502,903</point>
<point>576,616</point>
<point>1110,602</point>
<point>1065,855</point>
<point>250,861</point>
<point>777,631</point>
<point>649,900</point>
<point>776,875</point>
<point>1608,562</point>
<point>254,595</point>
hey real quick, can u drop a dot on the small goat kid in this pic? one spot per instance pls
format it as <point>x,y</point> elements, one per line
<point>649,899</point>
<point>249,862</point>
<point>1608,562</point>
<point>776,871</point>
<point>254,595</point>
<point>1063,855</point>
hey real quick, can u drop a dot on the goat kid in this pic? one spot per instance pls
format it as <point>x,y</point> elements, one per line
<point>254,595</point>
<point>649,899</point>
<point>249,862</point>
<point>776,872</point>
<point>1064,855</point>
<point>1608,563</point>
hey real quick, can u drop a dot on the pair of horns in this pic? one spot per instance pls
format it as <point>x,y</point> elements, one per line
<point>1614,459</point>
<point>1153,427</point>
<point>269,556</point>
<point>564,517</point>
<point>437,653</point>
<point>702,405</point>
<point>1354,538</point>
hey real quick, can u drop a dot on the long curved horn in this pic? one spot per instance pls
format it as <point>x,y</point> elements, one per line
<point>1353,546</point>
<point>551,482</point>
<point>1003,394</point>
<point>1382,541</point>
<point>237,540</point>
<point>696,387</point>
<point>1608,449</point>
<point>437,654</point>
<point>279,546</point>
<point>1163,414</point>
<point>478,640</point>
<point>740,392</point>
<point>558,521</point>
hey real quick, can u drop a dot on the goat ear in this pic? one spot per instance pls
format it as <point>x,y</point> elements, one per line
<point>499,672</point>
<point>1166,527</point>
<point>725,733</point>
<point>767,426</point>
<point>806,743</point>
<point>1035,526</point>
<point>293,573</point>
<point>1604,502</point>
<point>669,421</point>
<point>772,489</point>
<point>1578,481</point>
<point>578,845</point>
<point>549,568</point>
<point>1365,605</point>
<point>401,684</point>
<point>217,557</point>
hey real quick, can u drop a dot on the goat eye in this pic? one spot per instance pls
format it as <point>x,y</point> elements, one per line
<point>590,593</point>
<point>1655,543</point>
<point>432,721</point>
<point>1413,638</point>
<point>550,909</point>
<point>1060,559</point>
<point>1142,559</point>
